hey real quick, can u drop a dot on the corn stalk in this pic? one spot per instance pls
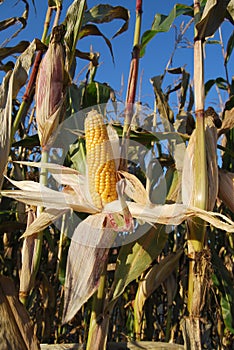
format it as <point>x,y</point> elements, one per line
<point>197,228</point>
<point>132,84</point>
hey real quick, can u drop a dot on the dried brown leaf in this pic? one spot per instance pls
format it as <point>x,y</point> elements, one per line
<point>16,330</point>
<point>228,122</point>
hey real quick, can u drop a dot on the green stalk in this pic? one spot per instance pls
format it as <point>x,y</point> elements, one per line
<point>39,236</point>
<point>197,228</point>
<point>97,335</point>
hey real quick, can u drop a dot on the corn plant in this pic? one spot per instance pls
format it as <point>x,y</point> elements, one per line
<point>113,271</point>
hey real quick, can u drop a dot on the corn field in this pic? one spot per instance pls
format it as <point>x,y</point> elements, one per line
<point>116,219</point>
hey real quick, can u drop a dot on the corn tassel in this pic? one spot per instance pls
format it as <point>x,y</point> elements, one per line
<point>100,161</point>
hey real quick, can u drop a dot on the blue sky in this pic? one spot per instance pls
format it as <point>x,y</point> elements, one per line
<point>157,54</point>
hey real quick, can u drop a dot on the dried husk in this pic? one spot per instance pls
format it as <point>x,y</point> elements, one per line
<point>5,122</point>
<point>9,89</point>
<point>49,87</point>
<point>27,259</point>
<point>87,256</point>
<point>226,188</point>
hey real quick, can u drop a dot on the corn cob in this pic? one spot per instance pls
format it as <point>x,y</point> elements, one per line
<point>100,163</point>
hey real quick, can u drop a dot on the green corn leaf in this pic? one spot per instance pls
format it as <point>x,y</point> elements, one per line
<point>228,318</point>
<point>91,29</point>
<point>73,21</point>
<point>135,258</point>
<point>28,142</point>
<point>94,93</point>
<point>230,46</point>
<point>107,13</point>
<point>163,23</point>
<point>152,280</point>
<point>220,82</point>
<point>223,280</point>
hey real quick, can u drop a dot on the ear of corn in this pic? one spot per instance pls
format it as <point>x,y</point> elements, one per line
<point>100,163</point>
<point>49,87</point>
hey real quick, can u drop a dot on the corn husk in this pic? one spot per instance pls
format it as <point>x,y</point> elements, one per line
<point>49,87</point>
<point>226,188</point>
<point>188,180</point>
<point>27,259</point>
<point>87,256</point>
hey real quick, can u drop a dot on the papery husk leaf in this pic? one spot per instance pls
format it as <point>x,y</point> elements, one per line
<point>134,188</point>
<point>227,122</point>
<point>36,194</point>
<point>175,214</point>
<point>16,327</point>
<point>114,141</point>
<point>51,167</point>
<point>5,122</point>
<point>212,165</point>
<point>135,258</point>
<point>188,180</point>
<point>226,188</point>
<point>51,199</point>
<point>87,256</point>
<point>151,281</point>
<point>27,253</point>
<point>12,83</point>
<point>46,218</point>
<point>121,222</point>
<point>49,87</point>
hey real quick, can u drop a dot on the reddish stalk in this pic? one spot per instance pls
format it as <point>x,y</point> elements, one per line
<point>132,84</point>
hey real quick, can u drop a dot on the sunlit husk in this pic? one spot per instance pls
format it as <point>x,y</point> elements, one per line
<point>87,255</point>
<point>5,122</point>
<point>49,88</point>
<point>226,188</point>
<point>27,259</point>
<point>188,175</point>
